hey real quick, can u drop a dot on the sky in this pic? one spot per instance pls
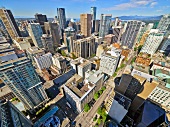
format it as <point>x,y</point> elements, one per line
<point>73,8</point>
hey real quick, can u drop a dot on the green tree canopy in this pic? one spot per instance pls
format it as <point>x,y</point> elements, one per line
<point>96,96</point>
<point>86,107</point>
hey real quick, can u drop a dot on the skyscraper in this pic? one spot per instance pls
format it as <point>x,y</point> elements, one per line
<point>164,23</point>
<point>35,32</point>
<point>152,43</point>
<point>61,17</point>
<point>20,76</point>
<point>10,116</point>
<point>41,18</point>
<point>129,36</point>
<point>104,24</point>
<point>9,22</point>
<point>54,30</point>
<point>85,20</point>
<point>93,13</point>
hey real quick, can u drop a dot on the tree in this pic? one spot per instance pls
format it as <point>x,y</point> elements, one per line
<point>133,60</point>
<point>100,92</point>
<point>99,110</point>
<point>99,121</point>
<point>86,107</point>
<point>63,53</point>
<point>73,56</point>
<point>103,88</point>
<point>135,48</point>
<point>96,96</point>
<point>139,48</point>
<point>114,75</point>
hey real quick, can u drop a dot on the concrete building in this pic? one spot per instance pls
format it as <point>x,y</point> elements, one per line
<point>12,117</point>
<point>85,20</point>
<point>23,43</point>
<point>20,76</point>
<point>61,17</point>
<point>81,65</point>
<point>93,12</point>
<point>130,34</point>
<point>152,43</point>
<point>35,32</point>
<point>105,21</point>
<point>33,51</point>
<point>47,43</point>
<point>40,18</point>
<point>164,24</point>
<point>3,30</point>
<point>43,61</point>
<point>100,49</point>
<point>9,22</point>
<point>54,30</point>
<point>117,31</point>
<point>79,92</point>
<point>109,39</point>
<point>6,93</point>
<point>109,61</point>
<point>166,46</point>
<point>84,47</point>
<point>60,62</point>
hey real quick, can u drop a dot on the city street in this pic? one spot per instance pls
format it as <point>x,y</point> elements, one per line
<point>84,119</point>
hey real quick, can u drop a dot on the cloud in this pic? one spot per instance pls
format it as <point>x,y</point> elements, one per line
<point>132,4</point>
<point>159,10</point>
<point>153,4</point>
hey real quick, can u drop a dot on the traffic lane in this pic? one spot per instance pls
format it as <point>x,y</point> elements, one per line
<point>69,112</point>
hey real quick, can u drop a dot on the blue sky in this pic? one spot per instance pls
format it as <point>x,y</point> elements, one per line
<point>74,8</point>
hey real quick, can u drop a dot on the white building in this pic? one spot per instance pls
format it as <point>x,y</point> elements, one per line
<point>81,65</point>
<point>152,43</point>
<point>43,61</point>
<point>109,61</point>
<point>22,43</point>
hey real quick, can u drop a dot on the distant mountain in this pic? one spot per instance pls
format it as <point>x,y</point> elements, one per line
<point>136,17</point>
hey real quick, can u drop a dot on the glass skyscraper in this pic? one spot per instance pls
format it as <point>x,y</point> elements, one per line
<point>61,17</point>
<point>104,24</point>
<point>20,76</point>
<point>93,13</point>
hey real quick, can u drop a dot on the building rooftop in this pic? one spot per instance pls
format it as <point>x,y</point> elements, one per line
<point>95,76</point>
<point>139,78</point>
<point>4,91</point>
<point>81,62</point>
<point>34,50</point>
<point>143,60</point>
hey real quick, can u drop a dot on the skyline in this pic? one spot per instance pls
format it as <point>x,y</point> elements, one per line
<point>116,8</point>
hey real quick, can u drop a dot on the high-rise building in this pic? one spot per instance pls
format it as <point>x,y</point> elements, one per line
<point>85,20</point>
<point>35,32</point>
<point>109,61</point>
<point>105,21</point>
<point>69,32</point>
<point>164,23</point>
<point>43,61</point>
<point>47,42</point>
<point>10,116</point>
<point>41,18</point>
<point>117,31</point>
<point>54,30</point>
<point>131,31</point>
<point>166,46</point>
<point>84,47</point>
<point>9,22</point>
<point>93,13</point>
<point>3,30</point>
<point>20,76</point>
<point>152,43</point>
<point>116,21</point>
<point>61,17</point>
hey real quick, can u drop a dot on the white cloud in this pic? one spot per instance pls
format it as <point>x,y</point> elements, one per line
<point>132,4</point>
<point>159,10</point>
<point>153,4</point>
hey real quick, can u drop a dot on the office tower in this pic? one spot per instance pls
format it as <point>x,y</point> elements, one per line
<point>60,62</point>
<point>131,31</point>
<point>43,61</point>
<point>3,30</point>
<point>84,47</point>
<point>54,30</point>
<point>152,43</point>
<point>110,38</point>
<point>69,42</point>
<point>69,32</point>
<point>35,32</point>
<point>105,21</point>
<point>164,23</point>
<point>47,42</point>
<point>78,95</point>
<point>20,76</point>
<point>97,25</point>
<point>10,116</point>
<point>41,18</point>
<point>93,13</point>
<point>109,61</point>
<point>166,46</point>
<point>116,21</point>
<point>117,31</point>
<point>85,20</point>
<point>9,22</point>
<point>61,17</point>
